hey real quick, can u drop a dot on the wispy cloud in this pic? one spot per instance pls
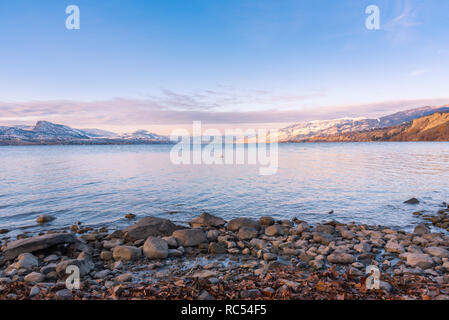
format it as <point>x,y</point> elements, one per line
<point>418,72</point>
<point>400,28</point>
<point>124,114</point>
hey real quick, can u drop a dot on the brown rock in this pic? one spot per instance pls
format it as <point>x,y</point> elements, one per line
<point>207,220</point>
<point>149,227</point>
<point>190,237</point>
<point>236,224</point>
<point>15,248</point>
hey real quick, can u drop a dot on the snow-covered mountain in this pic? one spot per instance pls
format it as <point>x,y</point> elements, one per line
<point>143,135</point>
<point>324,128</point>
<point>98,133</point>
<point>45,132</point>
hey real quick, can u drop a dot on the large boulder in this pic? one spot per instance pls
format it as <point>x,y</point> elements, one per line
<point>190,237</point>
<point>207,220</point>
<point>149,227</point>
<point>155,248</point>
<point>420,260</point>
<point>236,224</point>
<point>126,253</point>
<point>27,245</point>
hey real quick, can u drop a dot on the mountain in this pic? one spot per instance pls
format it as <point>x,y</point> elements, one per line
<point>45,132</point>
<point>98,133</point>
<point>313,130</point>
<point>434,127</point>
<point>143,135</point>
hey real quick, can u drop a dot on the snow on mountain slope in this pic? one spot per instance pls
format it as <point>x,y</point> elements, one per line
<point>45,132</point>
<point>143,135</point>
<point>324,128</point>
<point>98,133</point>
<point>48,130</point>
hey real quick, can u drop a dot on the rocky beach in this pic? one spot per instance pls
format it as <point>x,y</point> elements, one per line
<point>153,258</point>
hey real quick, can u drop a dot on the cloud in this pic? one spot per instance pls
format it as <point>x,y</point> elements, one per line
<point>143,114</point>
<point>399,28</point>
<point>418,72</point>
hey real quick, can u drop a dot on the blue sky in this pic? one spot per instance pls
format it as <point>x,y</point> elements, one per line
<point>161,63</point>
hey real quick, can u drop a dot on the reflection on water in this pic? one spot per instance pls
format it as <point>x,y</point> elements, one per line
<point>361,182</point>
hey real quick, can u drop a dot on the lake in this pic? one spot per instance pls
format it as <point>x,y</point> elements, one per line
<point>98,185</point>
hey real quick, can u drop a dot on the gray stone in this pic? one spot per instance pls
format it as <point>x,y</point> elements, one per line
<point>216,248</point>
<point>171,241</point>
<point>205,295</point>
<point>48,268</point>
<point>207,220</point>
<point>421,229</point>
<point>362,247</point>
<point>26,261</point>
<point>34,277</point>
<point>106,255</point>
<point>126,253</point>
<point>247,233</point>
<point>44,218</point>
<point>323,238</point>
<point>212,235</point>
<point>420,260</point>
<point>346,234</point>
<point>437,252</point>
<point>236,224</point>
<point>174,253</point>
<point>341,258</point>
<point>51,258</point>
<point>155,248</point>
<point>150,227</point>
<point>64,294</point>
<point>27,245</point>
<point>412,201</point>
<point>34,291</point>
<point>274,230</point>
<point>190,237</point>
<point>110,244</point>
<point>126,277</point>
<point>394,247</point>
<point>268,256</point>
<point>325,228</point>
<point>102,274</point>
<point>266,221</point>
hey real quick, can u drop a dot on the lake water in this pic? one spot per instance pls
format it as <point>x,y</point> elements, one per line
<point>98,185</point>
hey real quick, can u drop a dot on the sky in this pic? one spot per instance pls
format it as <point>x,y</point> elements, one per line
<point>161,64</point>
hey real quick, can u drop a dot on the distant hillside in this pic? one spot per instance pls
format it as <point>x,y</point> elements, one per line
<point>434,127</point>
<point>47,133</point>
<point>313,130</point>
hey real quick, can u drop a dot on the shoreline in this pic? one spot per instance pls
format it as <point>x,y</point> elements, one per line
<point>240,259</point>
